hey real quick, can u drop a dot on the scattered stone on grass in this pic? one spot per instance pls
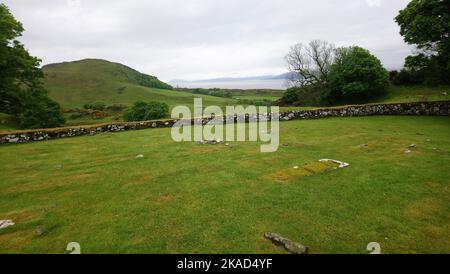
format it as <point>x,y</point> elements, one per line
<point>412,146</point>
<point>364,146</point>
<point>59,166</point>
<point>140,156</point>
<point>289,245</point>
<point>408,151</point>
<point>40,231</point>
<point>6,223</point>
<point>210,142</point>
<point>341,164</point>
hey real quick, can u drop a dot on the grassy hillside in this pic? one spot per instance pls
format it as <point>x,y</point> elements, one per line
<point>222,199</point>
<point>403,94</point>
<point>73,84</point>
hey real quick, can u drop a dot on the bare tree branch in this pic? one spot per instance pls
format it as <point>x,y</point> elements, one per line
<point>311,63</point>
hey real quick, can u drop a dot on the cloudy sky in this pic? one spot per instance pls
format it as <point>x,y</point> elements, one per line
<point>200,39</point>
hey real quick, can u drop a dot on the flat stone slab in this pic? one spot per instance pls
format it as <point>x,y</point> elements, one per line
<point>309,169</point>
<point>6,223</point>
<point>289,245</point>
<point>210,142</point>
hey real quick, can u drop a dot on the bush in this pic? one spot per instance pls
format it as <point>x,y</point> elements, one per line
<point>408,77</point>
<point>259,103</point>
<point>312,95</point>
<point>39,111</point>
<point>290,97</point>
<point>142,111</point>
<point>96,106</point>
<point>393,75</point>
<point>116,108</point>
<point>99,106</point>
<point>355,75</point>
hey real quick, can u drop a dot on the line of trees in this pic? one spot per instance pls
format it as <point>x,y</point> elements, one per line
<point>326,75</point>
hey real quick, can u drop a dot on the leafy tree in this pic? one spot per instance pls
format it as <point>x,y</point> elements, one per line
<point>39,111</point>
<point>356,74</point>
<point>426,24</point>
<point>407,77</point>
<point>21,90</point>
<point>142,111</point>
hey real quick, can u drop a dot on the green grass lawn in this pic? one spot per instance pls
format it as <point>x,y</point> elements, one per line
<point>184,197</point>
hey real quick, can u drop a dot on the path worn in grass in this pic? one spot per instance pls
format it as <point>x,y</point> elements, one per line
<point>184,197</point>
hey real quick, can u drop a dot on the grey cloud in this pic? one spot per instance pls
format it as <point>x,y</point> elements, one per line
<point>195,39</point>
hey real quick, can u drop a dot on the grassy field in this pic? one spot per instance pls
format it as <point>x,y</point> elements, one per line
<point>184,197</point>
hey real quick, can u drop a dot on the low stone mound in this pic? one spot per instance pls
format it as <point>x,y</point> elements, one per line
<point>309,169</point>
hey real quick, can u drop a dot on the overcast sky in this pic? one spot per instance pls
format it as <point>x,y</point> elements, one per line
<point>200,39</point>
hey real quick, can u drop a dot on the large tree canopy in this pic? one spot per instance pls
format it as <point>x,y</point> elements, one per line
<point>426,24</point>
<point>357,74</point>
<point>21,90</point>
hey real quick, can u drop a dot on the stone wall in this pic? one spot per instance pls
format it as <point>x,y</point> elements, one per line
<point>420,108</point>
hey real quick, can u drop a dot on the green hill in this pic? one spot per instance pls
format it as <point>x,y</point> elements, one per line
<point>74,84</point>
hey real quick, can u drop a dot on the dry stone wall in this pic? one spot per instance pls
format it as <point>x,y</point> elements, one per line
<point>441,108</point>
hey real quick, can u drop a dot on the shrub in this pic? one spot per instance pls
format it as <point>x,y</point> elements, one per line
<point>312,95</point>
<point>408,77</point>
<point>116,108</point>
<point>393,75</point>
<point>249,102</point>
<point>290,97</point>
<point>356,74</point>
<point>99,106</point>
<point>142,111</point>
<point>39,111</point>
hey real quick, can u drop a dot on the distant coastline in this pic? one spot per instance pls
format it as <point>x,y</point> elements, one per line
<point>255,82</point>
